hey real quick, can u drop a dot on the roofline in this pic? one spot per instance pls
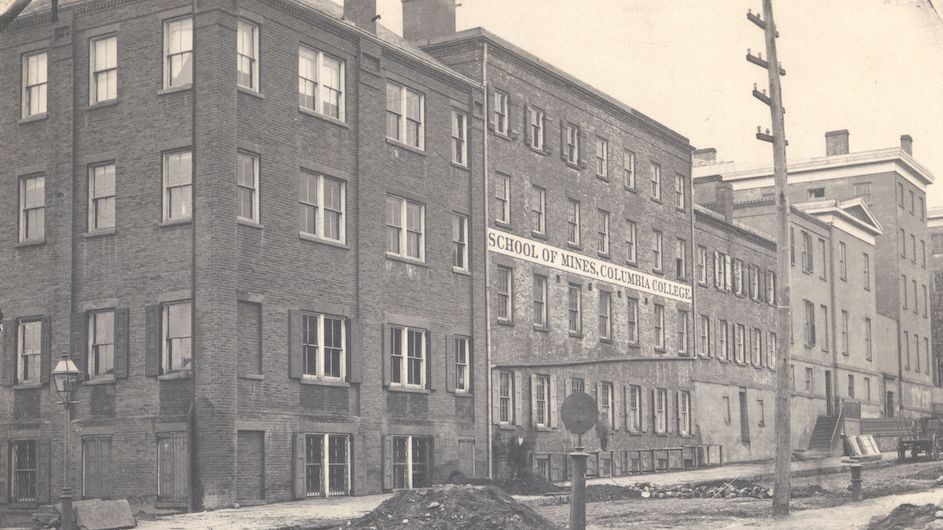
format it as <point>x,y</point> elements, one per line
<point>479,33</point>
<point>838,208</point>
<point>704,214</point>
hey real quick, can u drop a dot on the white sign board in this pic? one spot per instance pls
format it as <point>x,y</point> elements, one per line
<point>526,249</point>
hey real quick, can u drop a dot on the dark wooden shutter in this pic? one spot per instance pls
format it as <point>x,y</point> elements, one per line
<point>152,340</point>
<point>295,349</point>
<point>533,399</point>
<point>546,133</point>
<point>4,473</point>
<point>354,350</point>
<point>387,462</point>
<point>654,411</point>
<point>527,131</point>
<point>430,380</point>
<point>450,368</point>
<point>46,357</point>
<point>495,397</point>
<point>79,342</point>
<point>563,140</point>
<point>122,328</point>
<point>8,363</point>
<point>518,399</point>
<point>298,466</point>
<point>387,354</point>
<point>42,470</point>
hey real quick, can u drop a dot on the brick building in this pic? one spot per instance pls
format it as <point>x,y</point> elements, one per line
<point>250,222</point>
<point>935,227</point>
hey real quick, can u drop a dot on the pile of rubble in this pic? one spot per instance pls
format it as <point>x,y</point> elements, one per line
<point>717,490</point>
<point>910,516</point>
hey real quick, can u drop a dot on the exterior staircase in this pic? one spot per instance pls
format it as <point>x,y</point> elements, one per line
<point>823,436</point>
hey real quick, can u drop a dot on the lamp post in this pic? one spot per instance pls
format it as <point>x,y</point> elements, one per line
<point>66,377</point>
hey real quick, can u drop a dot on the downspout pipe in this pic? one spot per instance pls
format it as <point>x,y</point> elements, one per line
<point>195,500</point>
<point>486,169</point>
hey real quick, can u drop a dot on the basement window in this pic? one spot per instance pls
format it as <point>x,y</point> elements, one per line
<point>816,193</point>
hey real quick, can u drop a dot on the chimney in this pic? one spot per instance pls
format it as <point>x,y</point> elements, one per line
<point>836,142</point>
<point>724,201</point>
<point>426,19</point>
<point>363,13</point>
<point>907,144</point>
<point>705,157</point>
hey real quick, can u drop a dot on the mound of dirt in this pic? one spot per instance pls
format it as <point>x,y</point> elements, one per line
<point>452,507</point>
<point>611,492</point>
<point>528,483</point>
<point>904,517</point>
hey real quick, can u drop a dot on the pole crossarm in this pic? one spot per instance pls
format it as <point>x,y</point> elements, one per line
<point>761,62</point>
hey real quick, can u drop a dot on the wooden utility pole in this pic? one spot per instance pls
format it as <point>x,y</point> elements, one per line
<point>781,487</point>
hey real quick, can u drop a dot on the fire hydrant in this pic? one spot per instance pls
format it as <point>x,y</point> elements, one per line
<point>855,481</point>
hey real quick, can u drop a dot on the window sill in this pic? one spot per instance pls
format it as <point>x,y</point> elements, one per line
<point>574,246</point>
<point>242,221</point>
<point>408,390</point>
<point>33,118</point>
<point>630,189</point>
<point>539,150</point>
<point>572,165</point>
<point>656,200</point>
<point>538,235</point>
<point>541,329</point>
<point>176,222</point>
<point>633,264</point>
<point>462,272</point>
<point>543,428</point>
<point>505,322</point>
<point>410,148</point>
<point>250,91</point>
<point>324,117</point>
<point>252,377</point>
<point>605,341</point>
<point>309,380</point>
<point>604,255</point>
<point>464,394</point>
<point>30,243</point>
<point>403,259</point>
<point>27,386</point>
<point>315,239</point>
<point>173,376</point>
<point>604,178</point>
<point>502,135</point>
<point>575,335</point>
<point>463,167</point>
<point>660,350</point>
<point>502,224</point>
<point>102,104</point>
<point>633,432</point>
<point>175,89</point>
<point>103,380</point>
<point>507,427</point>
<point>99,233</point>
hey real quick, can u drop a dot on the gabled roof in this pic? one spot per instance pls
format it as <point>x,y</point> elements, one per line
<point>854,212</point>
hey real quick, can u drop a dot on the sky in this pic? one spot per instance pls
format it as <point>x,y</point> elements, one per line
<point>874,67</point>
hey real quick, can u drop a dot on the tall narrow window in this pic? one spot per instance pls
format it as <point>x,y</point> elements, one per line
<point>605,315</point>
<point>24,471</point>
<point>177,181</point>
<point>684,413</point>
<point>502,107</point>
<point>538,208</point>
<point>325,346</point>
<point>102,69</point>
<point>541,399</point>
<point>680,191</point>
<point>757,342</point>
<point>704,336</point>
<point>321,81</point>
<point>248,186</point>
<point>327,465</point>
<point>101,197</point>
<point>323,207</point>
<point>29,349</point>
<point>412,462</point>
<point>867,339</point>
<point>681,259</point>
<point>462,364</point>
<point>628,169</point>
<point>771,287</point>
<point>101,344</point>
<point>575,309</point>
<point>573,222</point>
<point>541,318</point>
<point>634,406</point>
<point>844,332</point>
<point>571,143</point>
<point>809,323</point>
<point>176,337</point>
<point>632,330</point>
<point>723,345</point>
<point>824,253</point>
<point>913,249</point>
<point>603,241</point>
<point>459,138</point>
<point>505,405</point>
<point>247,55</point>
<point>34,84</point>
<point>866,263</point>
<point>738,277</point>
<point>460,242</point>
<point>807,253</point>
<point>682,333</point>
<point>606,403</point>
<point>505,291</point>
<point>659,327</point>
<point>842,260</point>
<point>405,226</point>
<point>661,410</point>
<point>657,251</point>
<point>408,350</point>
<point>178,52</point>
<point>740,339</point>
<point>33,208</point>
<point>502,199</point>
<point>656,181</point>
<point>536,121</point>
<point>405,115</point>
<point>702,265</point>
<point>602,158</point>
<point>772,343</point>
<point>631,242</point>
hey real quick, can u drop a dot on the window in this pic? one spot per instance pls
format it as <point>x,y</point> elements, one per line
<point>684,413</point>
<point>656,181</point>
<point>754,282</point>
<point>541,399</point>
<point>405,115</point>
<point>502,105</point>
<point>33,208</point>
<point>867,271</point>
<point>680,191</point>
<point>325,347</point>
<point>462,364</point>
<point>681,259</point>
<point>412,462</point>
<point>538,207</point>
<point>913,249</point>
<point>459,138</point>
<point>177,176</point>
<point>900,194</point>
<point>459,242</point>
<point>926,352</point>
<point>536,121</point>
<point>810,323</point>
<point>842,261</point>
<point>903,278</point>
<point>631,241</point>
<point>851,386</point>
<point>903,243</point>
<point>740,332</point>
<point>825,327</point>
<point>772,343</point>
<point>723,348</point>
<point>726,410</point>
<point>863,190</point>
<point>936,241</point>
<point>907,347</point>
<point>657,251</point>
<point>632,330</point>
<point>867,388</point>
<point>541,317</point>
<point>101,197</point>
<point>502,199</point>
<point>661,410</point>
<point>407,239</point>
<point>635,408</point>
<point>96,467</point>
<point>816,193</point>
<point>327,465</point>
<point>771,287</point>
<point>34,84</point>
<point>102,69</point>
<point>603,242</point>
<point>605,315</point>
<point>917,351</point>
<point>808,380</point>
<point>176,337</point>
<point>757,343</point>
<point>178,52</point>
<point>247,55</point>
<point>575,309</point>
<point>321,83</point>
<point>738,277</point>
<point>659,327</point>
<point>173,467</point>
<point>577,384</point>
<point>844,332</point>
<point>924,300</point>
<point>248,186</point>
<point>101,344</point>
<point>573,222</point>
<point>24,467</point>
<point>911,201</point>
<point>807,254</point>
<point>505,388</point>
<point>408,370</point>
<point>505,290</point>
<point>867,339</point>
<point>923,208</point>
<point>29,349</point>
<point>704,336</point>
<point>607,403</point>
<point>914,283</point>
<point>923,254</point>
<point>682,333</point>
<point>326,221</point>
<point>602,158</point>
<point>571,143</point>
<point>628,169</point>
<point>701,265</point>
<point>762,408</point>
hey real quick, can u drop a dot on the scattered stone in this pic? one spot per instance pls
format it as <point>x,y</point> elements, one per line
<point>939,514</point>
<point>46,517</point>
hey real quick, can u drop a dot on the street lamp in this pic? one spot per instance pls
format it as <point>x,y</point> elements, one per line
<point>66,377</point>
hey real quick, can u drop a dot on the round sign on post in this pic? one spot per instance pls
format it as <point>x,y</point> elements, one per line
<point>579,413</point>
